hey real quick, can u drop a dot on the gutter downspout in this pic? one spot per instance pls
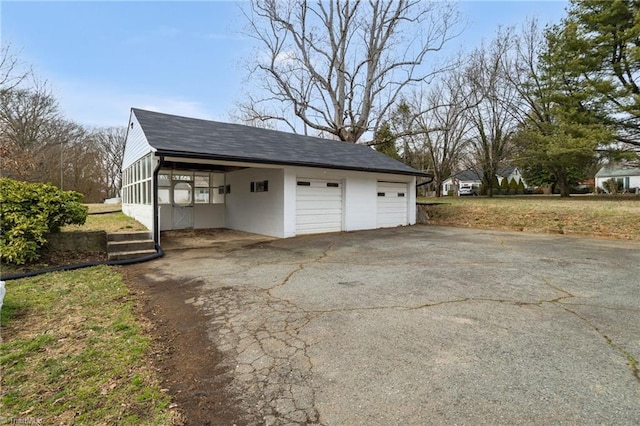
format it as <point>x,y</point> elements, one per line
<point>156,211</point>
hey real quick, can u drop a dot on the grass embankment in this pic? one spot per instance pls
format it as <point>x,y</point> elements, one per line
<point>73,352</point>
<point>580,215</point>
<point>106,217</point>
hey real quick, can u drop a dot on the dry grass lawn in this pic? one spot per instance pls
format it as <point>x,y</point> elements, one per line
<point>607,217</point>
<point>109,219</point>
<point>101,208</point>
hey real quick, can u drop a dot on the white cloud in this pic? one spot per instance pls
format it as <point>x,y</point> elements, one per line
<point>286,57</point>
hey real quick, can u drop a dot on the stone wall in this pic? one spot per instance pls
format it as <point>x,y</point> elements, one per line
<point>422,215</point>
<point>86,242</point>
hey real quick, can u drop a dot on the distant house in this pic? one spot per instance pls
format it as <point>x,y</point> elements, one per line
<point>185,173</point>
<point>628,178</point>
<point>510,173</point>
<point>463,179</point>
<point>460,182</point>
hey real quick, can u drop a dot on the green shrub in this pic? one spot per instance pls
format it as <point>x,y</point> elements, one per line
<point>513,186</point>
<point>30,211</point>
<point>613,186</point>
<point>521,188</point>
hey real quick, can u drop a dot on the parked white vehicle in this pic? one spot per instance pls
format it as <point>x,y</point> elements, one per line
<point>467,189</point>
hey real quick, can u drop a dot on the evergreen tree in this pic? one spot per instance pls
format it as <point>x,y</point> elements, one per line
<point>598,48</point>
<point>385,141</point>
<point>558,145</point>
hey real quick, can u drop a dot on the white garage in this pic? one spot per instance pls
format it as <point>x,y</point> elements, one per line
<point>318,206</point>
<point>181,172</point>
<point>392,206</point>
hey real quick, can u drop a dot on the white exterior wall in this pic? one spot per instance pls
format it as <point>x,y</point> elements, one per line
<point>634,181</point>
<point>206,216</point>
<point>360,196</point>
<point>136,144</point>
<point>136,147</point>
<point>143,213</point>
<point>256,212</point>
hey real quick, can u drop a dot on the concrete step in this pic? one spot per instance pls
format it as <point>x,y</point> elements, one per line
<point>132,245</point>
<point>122,255</point>
<point>129,236</point>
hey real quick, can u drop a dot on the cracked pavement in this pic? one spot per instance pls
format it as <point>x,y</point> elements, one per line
<point>422,325</point>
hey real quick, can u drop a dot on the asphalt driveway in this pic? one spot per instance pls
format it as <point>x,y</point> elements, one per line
<point>420,325</point>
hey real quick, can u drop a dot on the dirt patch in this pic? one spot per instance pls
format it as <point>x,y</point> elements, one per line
<point>217,237</point>
<point>188,363</point>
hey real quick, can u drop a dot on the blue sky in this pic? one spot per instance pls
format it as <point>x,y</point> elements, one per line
<point>102,58</point>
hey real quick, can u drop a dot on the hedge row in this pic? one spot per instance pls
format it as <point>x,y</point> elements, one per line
<point>31,211</point>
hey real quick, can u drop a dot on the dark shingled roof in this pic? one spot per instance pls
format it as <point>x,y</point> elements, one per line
<point>172,135</point>
<point>467,175</point>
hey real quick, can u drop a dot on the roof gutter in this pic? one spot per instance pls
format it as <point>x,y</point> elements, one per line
<point>426,182</point>
<point>182,154</point>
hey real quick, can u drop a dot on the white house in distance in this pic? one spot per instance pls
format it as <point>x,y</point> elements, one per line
<point>186,173</point>
<point>473,179</point>
<point>628,176</point>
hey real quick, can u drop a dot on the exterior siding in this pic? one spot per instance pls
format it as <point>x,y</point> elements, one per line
<point>143,213</point>
<point>136,143</point>
<point>256,212</point>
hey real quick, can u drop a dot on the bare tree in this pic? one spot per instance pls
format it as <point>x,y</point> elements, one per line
<point>110,142</point>
<point>38,144</point>
<point>445,125</point>
<point>11,74</point>
<point>521,69</point>
<point>490,113</point>
<point>338,67</point>
<point>26,117</point>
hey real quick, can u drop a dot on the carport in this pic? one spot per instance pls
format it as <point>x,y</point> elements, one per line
<point>186,173</point>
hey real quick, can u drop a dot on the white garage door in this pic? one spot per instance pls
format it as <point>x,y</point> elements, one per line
<point>392,204</point>
<point>318,206</point>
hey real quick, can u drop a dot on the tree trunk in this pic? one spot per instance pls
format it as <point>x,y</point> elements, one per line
<point>565,188</point>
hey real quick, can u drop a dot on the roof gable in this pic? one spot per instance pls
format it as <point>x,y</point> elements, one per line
<point>196,138</point>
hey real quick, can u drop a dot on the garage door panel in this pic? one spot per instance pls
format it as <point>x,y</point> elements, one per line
<point>318,206</point>
<point>392,204</point>
<point>325,200</point>
<point>311,193</point>
<point>331,215</point>
<point>312,206</point>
